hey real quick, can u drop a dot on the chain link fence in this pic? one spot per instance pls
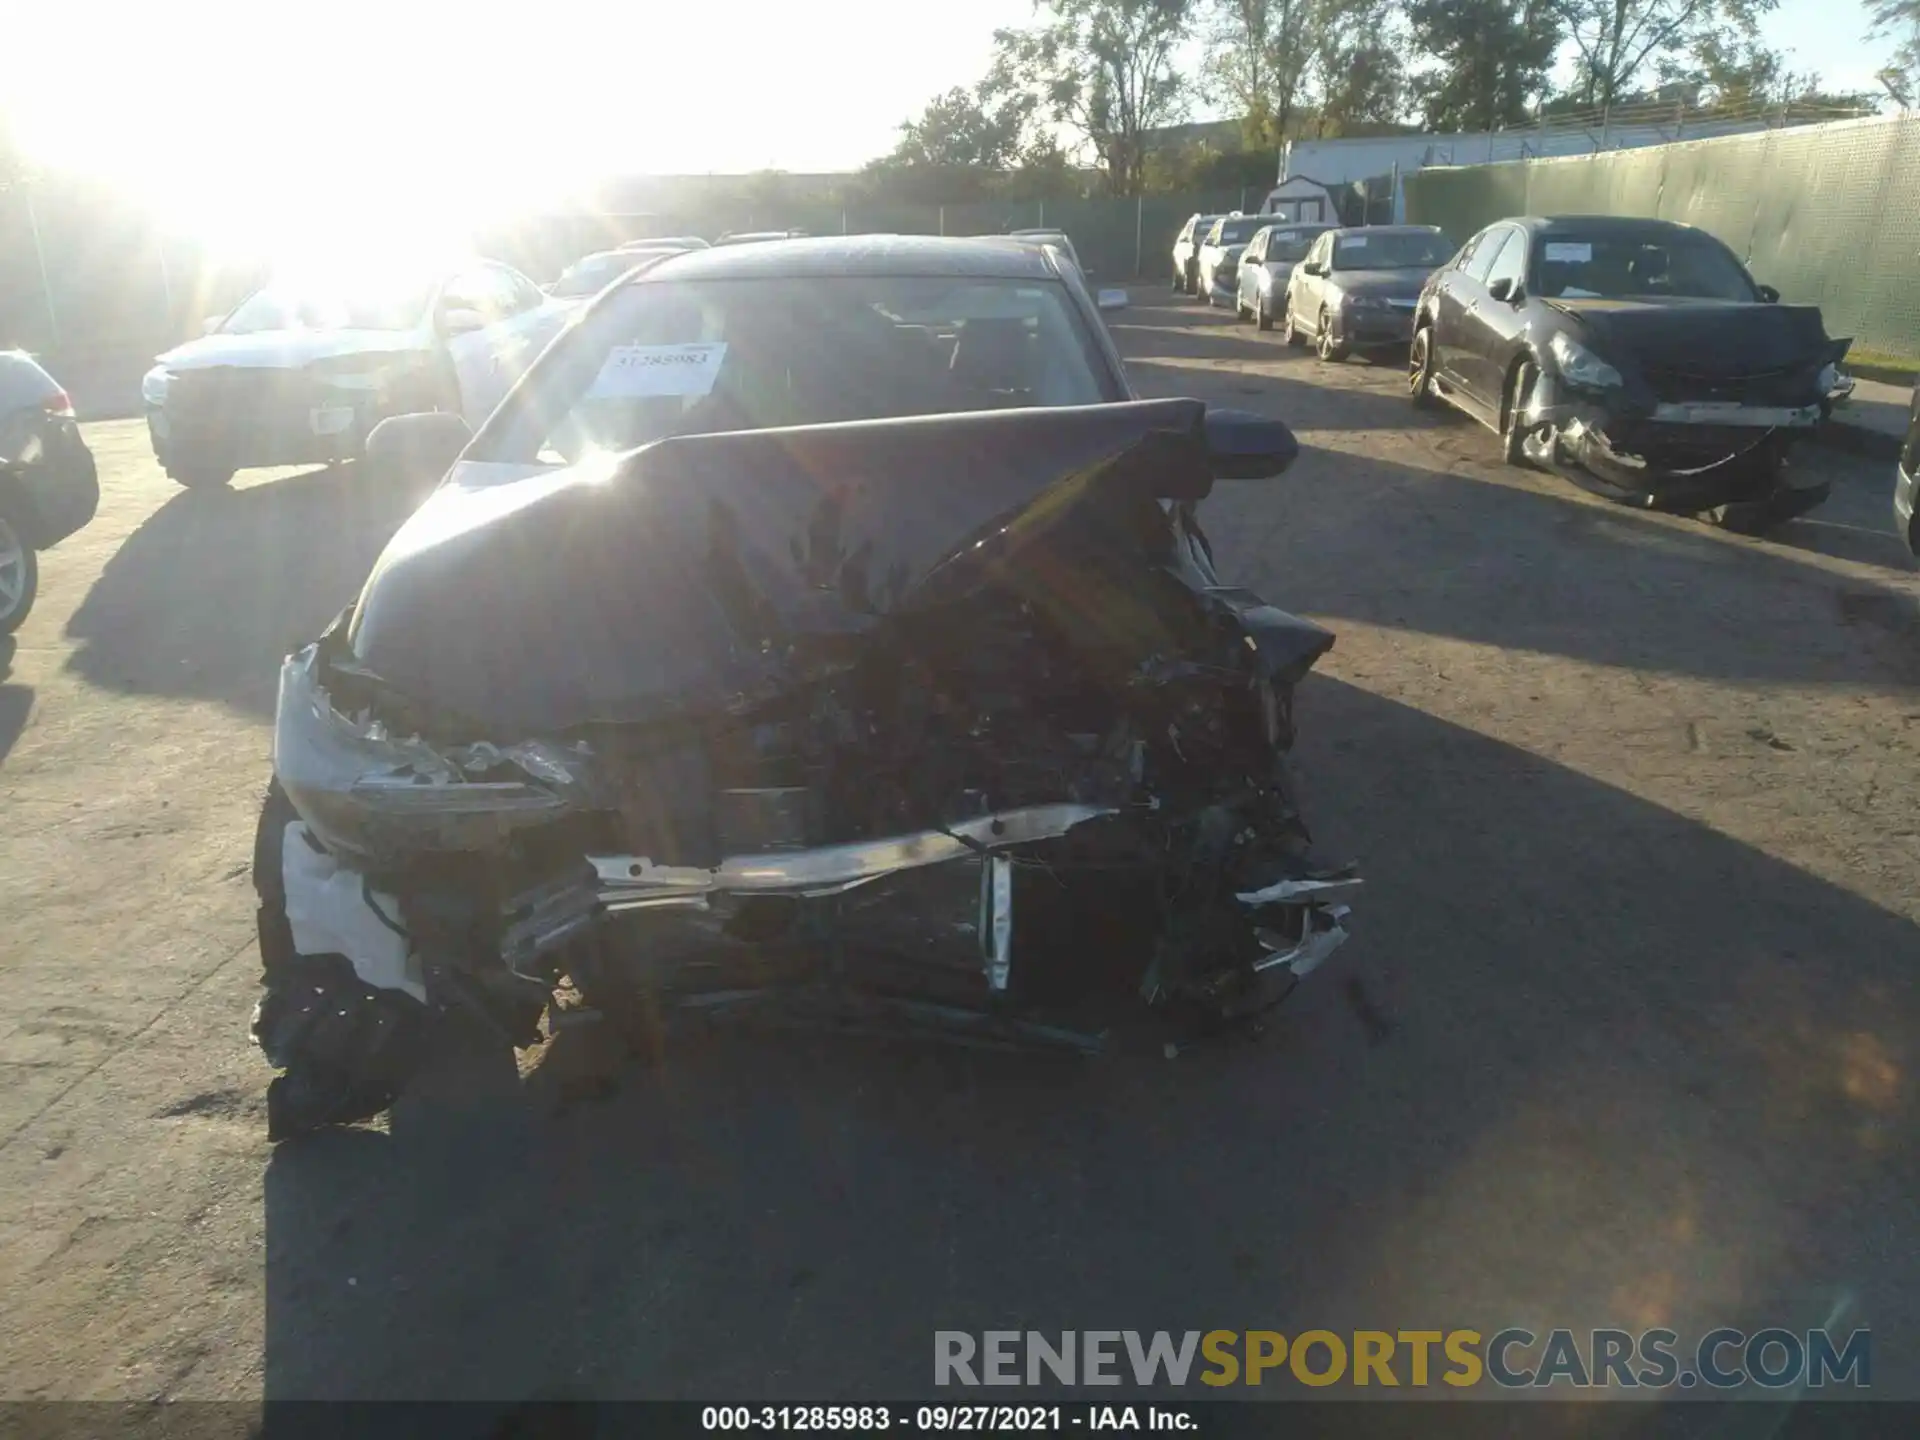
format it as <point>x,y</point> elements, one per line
<point>1829,215</point>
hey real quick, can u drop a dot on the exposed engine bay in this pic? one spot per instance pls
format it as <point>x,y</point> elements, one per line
<point>979,749</point>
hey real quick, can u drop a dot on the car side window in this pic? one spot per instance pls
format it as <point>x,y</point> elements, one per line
<point>1186,234</point>
<point>1490,248</point>
<point>521,294</point>
<point>468,290</point>
<point>1256,248</point>
<point>1511,261</point>
<point>1465,257</point>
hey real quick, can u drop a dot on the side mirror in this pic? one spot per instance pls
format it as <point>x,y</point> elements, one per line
<point>460,321</point>
<point>1314,267</point>
<point>1501,289</point>
<point>1243,446</point>
<point>212,323</point>
<point>414,451</point>
<point>1113,300</point>
<point>1770,295</point>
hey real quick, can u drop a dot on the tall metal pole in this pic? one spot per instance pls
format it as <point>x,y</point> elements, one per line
<point>40,255</point>
<point>1139,223</point>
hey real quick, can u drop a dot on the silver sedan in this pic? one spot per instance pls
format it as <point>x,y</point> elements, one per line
<point>1264,267</point>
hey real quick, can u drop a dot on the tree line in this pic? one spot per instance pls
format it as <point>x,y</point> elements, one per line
<point>1085,93</point>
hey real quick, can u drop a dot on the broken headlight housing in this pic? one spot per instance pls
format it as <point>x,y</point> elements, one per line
<point>1580,367</point>
<point>370,794</point>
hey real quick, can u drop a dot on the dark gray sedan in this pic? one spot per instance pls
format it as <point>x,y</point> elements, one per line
<point>1358,288</point>
<point>48,485</point>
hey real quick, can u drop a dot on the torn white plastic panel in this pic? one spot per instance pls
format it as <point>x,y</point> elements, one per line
<point>328,910</point>
<point>1326,932</point>
<point>636,372</point>
<point>1282,891</point>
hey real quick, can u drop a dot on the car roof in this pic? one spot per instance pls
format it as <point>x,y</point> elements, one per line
<point>1600,224</point>
<point>868,255</point>
<point>1386,229</point>
<point>634,256</point>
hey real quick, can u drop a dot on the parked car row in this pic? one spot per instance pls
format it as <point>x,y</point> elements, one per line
<point>1636,357</point>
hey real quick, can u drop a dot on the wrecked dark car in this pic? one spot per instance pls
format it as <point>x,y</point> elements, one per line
<point>1636,357</point>
<point>820,634</point>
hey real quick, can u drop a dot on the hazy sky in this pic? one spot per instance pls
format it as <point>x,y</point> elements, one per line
<point>219,104</point>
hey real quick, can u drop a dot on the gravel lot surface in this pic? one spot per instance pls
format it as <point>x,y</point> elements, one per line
<point>1627,1034</point>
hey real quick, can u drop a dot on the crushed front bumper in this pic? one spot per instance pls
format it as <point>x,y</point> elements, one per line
<point>1675,456</point>
<point>1374,329</point>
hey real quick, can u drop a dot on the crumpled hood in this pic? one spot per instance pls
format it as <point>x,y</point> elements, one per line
<point>1383,284</point>
<point>285,349</point>
<point>1703,336</point>
<point>706,572</point>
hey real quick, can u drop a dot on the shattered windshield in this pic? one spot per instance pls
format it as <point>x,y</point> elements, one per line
<point>656,360</point>
<point>1390,250</point>
<point>1675,264</point>
<point>307,305</point>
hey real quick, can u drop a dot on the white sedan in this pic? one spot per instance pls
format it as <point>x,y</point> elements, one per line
<point>303,369</point>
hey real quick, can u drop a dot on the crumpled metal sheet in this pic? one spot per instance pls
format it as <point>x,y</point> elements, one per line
<point>332,911</point>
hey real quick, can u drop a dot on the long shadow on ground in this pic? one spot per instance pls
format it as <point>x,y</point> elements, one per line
<point>1586,1063</point>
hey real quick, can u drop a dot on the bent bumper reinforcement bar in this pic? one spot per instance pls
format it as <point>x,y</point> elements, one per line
<point>633,882</point>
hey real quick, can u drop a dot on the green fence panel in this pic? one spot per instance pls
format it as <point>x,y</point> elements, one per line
<point>1827,214</point>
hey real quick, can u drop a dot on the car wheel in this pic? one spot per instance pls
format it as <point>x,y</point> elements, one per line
<point>1262,314</point>
<point>19,575</point>
<point>1514,436</point>
<point>1325,345</point>
<point>1420,369</point>
<point>200,476</point>
<point>1290,323</point>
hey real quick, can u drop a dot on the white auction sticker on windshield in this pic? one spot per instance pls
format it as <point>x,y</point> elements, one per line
<point>1574,252</point>
<point>640,371</point>
<point>1352,242</point>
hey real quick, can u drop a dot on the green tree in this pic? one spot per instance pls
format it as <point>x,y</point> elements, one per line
<point>1355,66</point>
<point>964,127</point>
<point>1615,41</point>
<point>1102,69</point>
<point>1494,60</point>
<point>1732,72</point>
<point>1898,21</point>
<point>1256,61</point>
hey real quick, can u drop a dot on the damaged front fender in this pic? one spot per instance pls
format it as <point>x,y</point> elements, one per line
<point>378,796</point>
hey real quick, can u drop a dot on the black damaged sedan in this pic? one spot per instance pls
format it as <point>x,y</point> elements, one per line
<point>821,632</point>
<point>1637,357</point>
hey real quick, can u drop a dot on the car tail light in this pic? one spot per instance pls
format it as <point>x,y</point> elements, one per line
<point>58,403</point>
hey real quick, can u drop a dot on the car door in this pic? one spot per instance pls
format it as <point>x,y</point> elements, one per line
<point>1253,268</point>
<point>473,318</point>
<point>1460,296</point>
<point>1183,246</point>
<point>1493,326</point>
<point>1303,287</point>
<point>531,319</point>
